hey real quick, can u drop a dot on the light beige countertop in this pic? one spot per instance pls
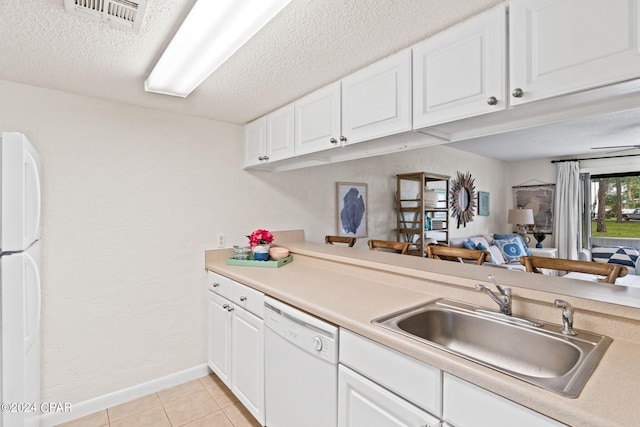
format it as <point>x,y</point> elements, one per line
<point>350,287</point>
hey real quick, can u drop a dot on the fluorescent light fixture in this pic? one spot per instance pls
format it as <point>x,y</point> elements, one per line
<point>209,35</point>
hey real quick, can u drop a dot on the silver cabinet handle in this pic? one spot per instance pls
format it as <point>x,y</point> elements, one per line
<point>343,139</point>
<point>492,100</point>
<point>243,298</point>
<point>230,309</point>
<point>517,93</point>
<point>333,141</point>
<point>226,306</point>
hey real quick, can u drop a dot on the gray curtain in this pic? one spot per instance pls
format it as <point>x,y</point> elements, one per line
<point>567,220</point>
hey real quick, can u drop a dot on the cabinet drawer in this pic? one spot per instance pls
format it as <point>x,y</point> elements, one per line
<point>361,402</point>
<point>247,298</point>
<point>467,405</point>
<point>219,284</point>
<point>411,379</point>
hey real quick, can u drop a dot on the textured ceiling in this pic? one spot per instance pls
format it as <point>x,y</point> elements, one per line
<point>309,44</point>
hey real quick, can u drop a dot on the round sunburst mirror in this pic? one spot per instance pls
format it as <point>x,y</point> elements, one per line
<point>462,197</point>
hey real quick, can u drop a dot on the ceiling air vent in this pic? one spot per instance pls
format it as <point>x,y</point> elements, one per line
<point>123,14</point>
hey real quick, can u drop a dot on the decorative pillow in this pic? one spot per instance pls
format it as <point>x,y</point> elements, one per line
<point>469,245</point>
<point>479,240</point>
<point>496,256</point>
<point>510,236</point>
<point>622,255</point>
<point>512,249</point>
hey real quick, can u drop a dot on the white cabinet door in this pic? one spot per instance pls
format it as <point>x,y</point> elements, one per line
<point>467,405</point>
<point>220,337</point>
<point>460,72</point>
<point>317,120</point>
<point>247,379</point>
<point>364,403</point>
<point>563,46</point>
<point>376,101</point>
<point>280,134</point>
<point>255,142</point>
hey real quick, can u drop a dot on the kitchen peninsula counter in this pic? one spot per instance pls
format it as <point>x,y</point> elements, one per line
<point>350,287</point>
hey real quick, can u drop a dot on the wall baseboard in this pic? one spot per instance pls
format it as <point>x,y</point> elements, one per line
<point>100,403</point>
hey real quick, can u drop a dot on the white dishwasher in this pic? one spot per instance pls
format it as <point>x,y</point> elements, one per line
<point>301,368</point>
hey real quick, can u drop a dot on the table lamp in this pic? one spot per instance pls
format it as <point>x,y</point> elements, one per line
<point>521,217</point>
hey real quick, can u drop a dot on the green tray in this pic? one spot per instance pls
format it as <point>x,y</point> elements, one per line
<point>253,263</point>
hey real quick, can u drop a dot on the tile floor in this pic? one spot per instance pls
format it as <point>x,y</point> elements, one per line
<point>204,402</point>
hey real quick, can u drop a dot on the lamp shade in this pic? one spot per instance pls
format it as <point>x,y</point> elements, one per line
<point>520,216</point>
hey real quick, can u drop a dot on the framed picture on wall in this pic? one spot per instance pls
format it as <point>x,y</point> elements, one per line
<point>483,203</point>
<point>538,198</point>
<point>352,209</point>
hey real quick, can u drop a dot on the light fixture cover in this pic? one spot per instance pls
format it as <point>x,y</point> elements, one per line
<point>209,35</point>
<point>520,216</point>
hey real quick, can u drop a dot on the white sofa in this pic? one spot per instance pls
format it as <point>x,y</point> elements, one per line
<point>623,251</point>
<point>505,252</point>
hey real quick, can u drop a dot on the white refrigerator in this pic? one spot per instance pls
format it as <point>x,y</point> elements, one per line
<point>20,291</point>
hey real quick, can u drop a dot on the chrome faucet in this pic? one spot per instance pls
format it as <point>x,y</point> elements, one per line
<point>504,300</point>
<point>567,317</point>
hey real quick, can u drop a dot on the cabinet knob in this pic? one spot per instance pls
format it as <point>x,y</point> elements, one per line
<point>517,93</point>
<point>265,158</point>
<point>215,285</point>
<point>230,309</point>
<point>492,100</point>
<point>260,158</point>
<point>243,298</point>
<point>226,306</point>
<point>333,141</point>
<point>343,139</point>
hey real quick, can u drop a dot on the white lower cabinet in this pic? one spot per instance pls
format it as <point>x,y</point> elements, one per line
<point>220,337</point>
<point>236,343</point>
<point>378,386</point>
<point>467,405</point>
<point>362,402</point>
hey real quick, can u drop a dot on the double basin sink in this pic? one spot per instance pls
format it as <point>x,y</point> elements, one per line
<point>528,350</point>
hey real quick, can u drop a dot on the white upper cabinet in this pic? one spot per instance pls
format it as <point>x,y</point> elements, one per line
<point>562,46</point>
<point>376,101</point>
<point>255,142</point>
<point>317,120</point>
<point>280,134</point>
<point>460,72</point>
<point>269,138</point>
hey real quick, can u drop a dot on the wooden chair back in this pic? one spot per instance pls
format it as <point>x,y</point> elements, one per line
<point>349,241</point>
<point>611,272</point>
<point>399,247</point>
<point>448,253</point>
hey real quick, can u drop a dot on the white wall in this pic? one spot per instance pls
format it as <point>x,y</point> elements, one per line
<point>133,197</point>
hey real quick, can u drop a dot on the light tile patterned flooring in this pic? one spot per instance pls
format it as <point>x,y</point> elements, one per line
<point>204,402</point>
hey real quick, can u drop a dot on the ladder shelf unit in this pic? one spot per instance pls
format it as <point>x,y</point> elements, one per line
<point>422,210</point>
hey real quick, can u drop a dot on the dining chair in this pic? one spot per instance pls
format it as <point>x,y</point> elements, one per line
<point>349,241</point>
<point>388,245</point>
<point>449,253</point>
<point>533,264</point>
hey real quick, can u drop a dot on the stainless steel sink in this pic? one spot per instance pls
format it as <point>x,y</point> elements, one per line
<point>540,355</point>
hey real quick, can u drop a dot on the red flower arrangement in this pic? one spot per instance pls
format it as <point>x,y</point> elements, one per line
<point>260,237</point>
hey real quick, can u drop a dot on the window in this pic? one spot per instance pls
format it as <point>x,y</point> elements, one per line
<point>614,207</point>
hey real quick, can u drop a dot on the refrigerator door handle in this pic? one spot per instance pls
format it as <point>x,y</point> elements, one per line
<point>33,205</point>
<point>33,312</point>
